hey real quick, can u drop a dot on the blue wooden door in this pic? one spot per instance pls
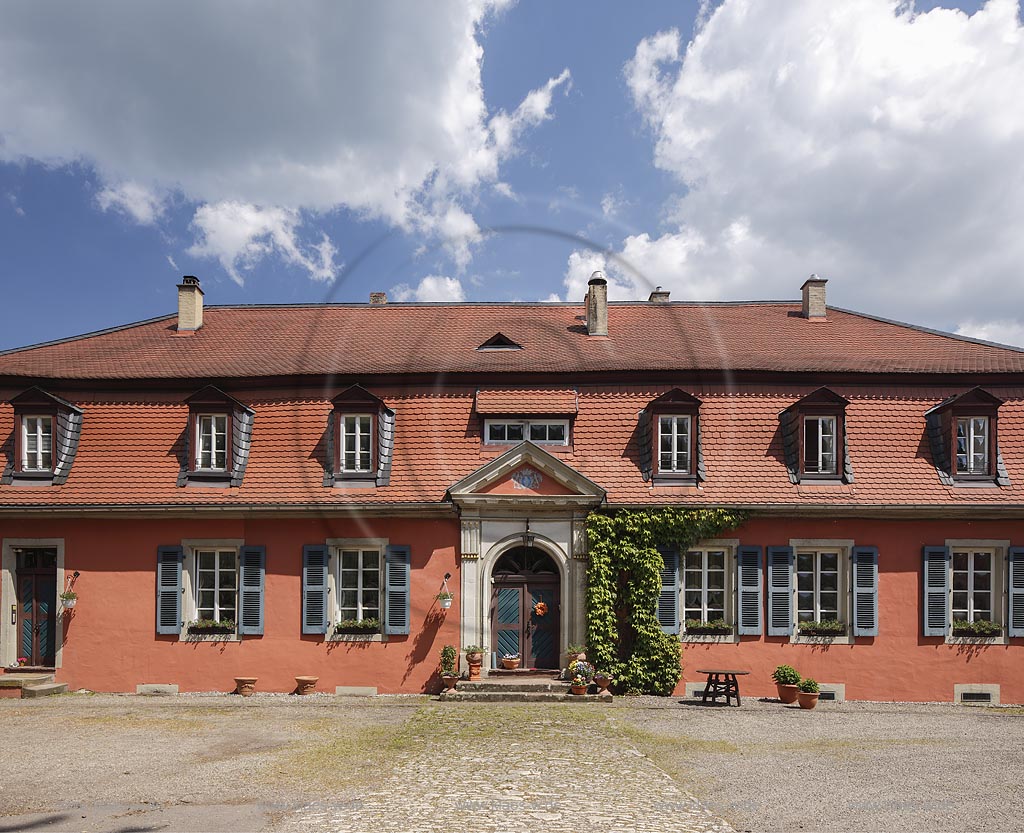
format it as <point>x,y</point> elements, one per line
<point>543,629</point>
<point>508,621</point>
<point>37,607</point>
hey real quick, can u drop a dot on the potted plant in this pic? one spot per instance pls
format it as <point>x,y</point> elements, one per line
<point>826,627</point>
<point>979,627</point>
<point>474,658</point>
<point>445,598</point>
<point>68,599</point>
<point>808,693</point>
<point>603,681</point>
<point>358,626</point>
<point>211,626</point>
<point>786,679</point>
<point>580,669</point>
<point>579,684</point>
<point>510,661</point>
<point>449,660</point>
<point>714,627</point>
<point>246,686</point>
<point>574,652</point>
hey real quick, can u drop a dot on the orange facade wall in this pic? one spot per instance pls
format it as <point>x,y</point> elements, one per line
<point>110,640</point>
<point>900,663</point>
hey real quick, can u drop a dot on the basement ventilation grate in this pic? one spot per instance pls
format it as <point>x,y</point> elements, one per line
<point>827,695</point>
<point>976,697</point>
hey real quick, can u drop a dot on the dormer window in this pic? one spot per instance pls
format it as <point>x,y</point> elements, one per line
<point>46,435</point>
<point>356,443</point>
<point>670,440</point>
<point>216,448</point>
<point>212,442</point>
<point>539,431</point>
<point>509,416</point>
<point>814,438</point>
<point>360,437</point>
<point>37,443</point>
<point>963,433</point>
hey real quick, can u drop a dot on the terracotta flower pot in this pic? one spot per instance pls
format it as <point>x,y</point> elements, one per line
<point>578,689</point>
<point>510,664</point>
<point>571,658</point>
<point>450,681</point>
<point>246,686</point>
<point>305,685</point>
<point>474,661</point>
<point>787,693</point>
<point>602,681</point>
<point>808,700</point>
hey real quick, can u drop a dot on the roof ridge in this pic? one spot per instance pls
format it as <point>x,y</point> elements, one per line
<point>930,330</point>
<point>92,334</point>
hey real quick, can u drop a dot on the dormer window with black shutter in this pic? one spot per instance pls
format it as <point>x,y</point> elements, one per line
<point>814,438</point>
<point>217,438</point>
<point>45,439</point>
<point>360,437</point>
<point>670,451</point>
<point>963,434</point>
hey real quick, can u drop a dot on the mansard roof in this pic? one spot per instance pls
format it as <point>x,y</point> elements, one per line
<point>364,341</point>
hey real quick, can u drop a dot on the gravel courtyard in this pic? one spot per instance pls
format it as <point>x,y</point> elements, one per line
<point>278,763</point>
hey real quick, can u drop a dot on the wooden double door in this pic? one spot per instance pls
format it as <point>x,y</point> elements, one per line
<point>37,606</point>
<point>525,611</point>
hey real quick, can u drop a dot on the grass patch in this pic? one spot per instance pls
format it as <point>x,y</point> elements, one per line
<point>1005,709</point>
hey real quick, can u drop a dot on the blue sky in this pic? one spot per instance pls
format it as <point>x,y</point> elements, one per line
<point>470,151</point>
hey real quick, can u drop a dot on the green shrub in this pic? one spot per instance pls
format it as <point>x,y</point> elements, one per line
<point>981,627</point>
<point>786,675</point>
<point>826,627</point>
<point>808,686</point>
<point>449,656</point>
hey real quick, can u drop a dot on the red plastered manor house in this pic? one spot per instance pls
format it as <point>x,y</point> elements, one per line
<point>274,491</point>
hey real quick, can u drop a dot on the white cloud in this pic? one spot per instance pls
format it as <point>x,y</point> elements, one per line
<point>875,146</point>
<point>138,202</point>
<point>431,288</point>
<point>1002,331</point>
<point>238,235</point>
<point>377,108</point>
<point>173,263</point>
<point>13,200</point>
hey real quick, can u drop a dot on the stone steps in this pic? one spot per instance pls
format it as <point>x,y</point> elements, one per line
<point>18,684</point>
<point>44,689</point>
<point>511,685</point>
<point>521,697</point>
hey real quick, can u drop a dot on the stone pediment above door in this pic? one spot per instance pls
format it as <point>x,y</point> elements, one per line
<point>526,474</point>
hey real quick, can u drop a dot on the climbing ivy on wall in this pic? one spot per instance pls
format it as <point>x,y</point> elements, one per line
<point>623,584</point>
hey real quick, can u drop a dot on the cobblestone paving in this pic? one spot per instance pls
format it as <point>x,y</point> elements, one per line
<point>511,768</point>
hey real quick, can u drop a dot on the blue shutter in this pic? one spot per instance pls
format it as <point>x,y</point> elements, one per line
<point>749,584</point>
<point>936,591</point>
<point>396,582</point>
<point>1016,623</point>
<point>780,591</point>
<point>314,588</point>
<point>168,589</point>
<point>865,591</point>
<point>668,599</point>
<point>251,574</point>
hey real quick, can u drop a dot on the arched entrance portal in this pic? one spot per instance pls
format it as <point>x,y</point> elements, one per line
<point>525,580</point>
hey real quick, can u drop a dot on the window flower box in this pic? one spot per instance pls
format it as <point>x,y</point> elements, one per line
<point>826,627</point>
<point>211,626</point>
<point>716,627</point>
<point>358,626</point>
<point>980,627</point>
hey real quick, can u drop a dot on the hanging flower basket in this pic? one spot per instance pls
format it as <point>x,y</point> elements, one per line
<point>445,598</point>
<point>540,609</point>
<point>67,604</point>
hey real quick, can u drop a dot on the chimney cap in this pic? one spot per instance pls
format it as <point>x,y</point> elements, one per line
<point>378,298</point>
<point>597,279</point>
<point>190,281</point>
<point>659,296</point>
<point>815,280</point>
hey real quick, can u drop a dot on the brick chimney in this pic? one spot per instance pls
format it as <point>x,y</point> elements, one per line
<point>659,296</point>
<point>814,298</point>
<point>190,304</point>
<point>597,305</point>
<point>378,299</point>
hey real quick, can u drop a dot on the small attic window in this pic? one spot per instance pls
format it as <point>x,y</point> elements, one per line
<point>500,341</point>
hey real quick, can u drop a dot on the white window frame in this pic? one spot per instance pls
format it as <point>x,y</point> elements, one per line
<point>335,546</point>
<point>527,424</point>
<point>676,451</point>
<point>190,585</point>
<point>212,437</point>
<point>368,469</point>
<point>729,547</point>
<point>818,420</point>
<point>844,547</point>
<point>970,436</point>
<point>37,463</point>
<point>999,550</point>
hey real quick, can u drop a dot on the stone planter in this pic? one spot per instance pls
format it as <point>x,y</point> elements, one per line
<point>450,681</point>
<point>808,699</point>
<point>305,685</point>
<point>603,681</point>
<point>246,686</point>
<point>474,661</point>
<point>787,693</point>
<point>570,658</point>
